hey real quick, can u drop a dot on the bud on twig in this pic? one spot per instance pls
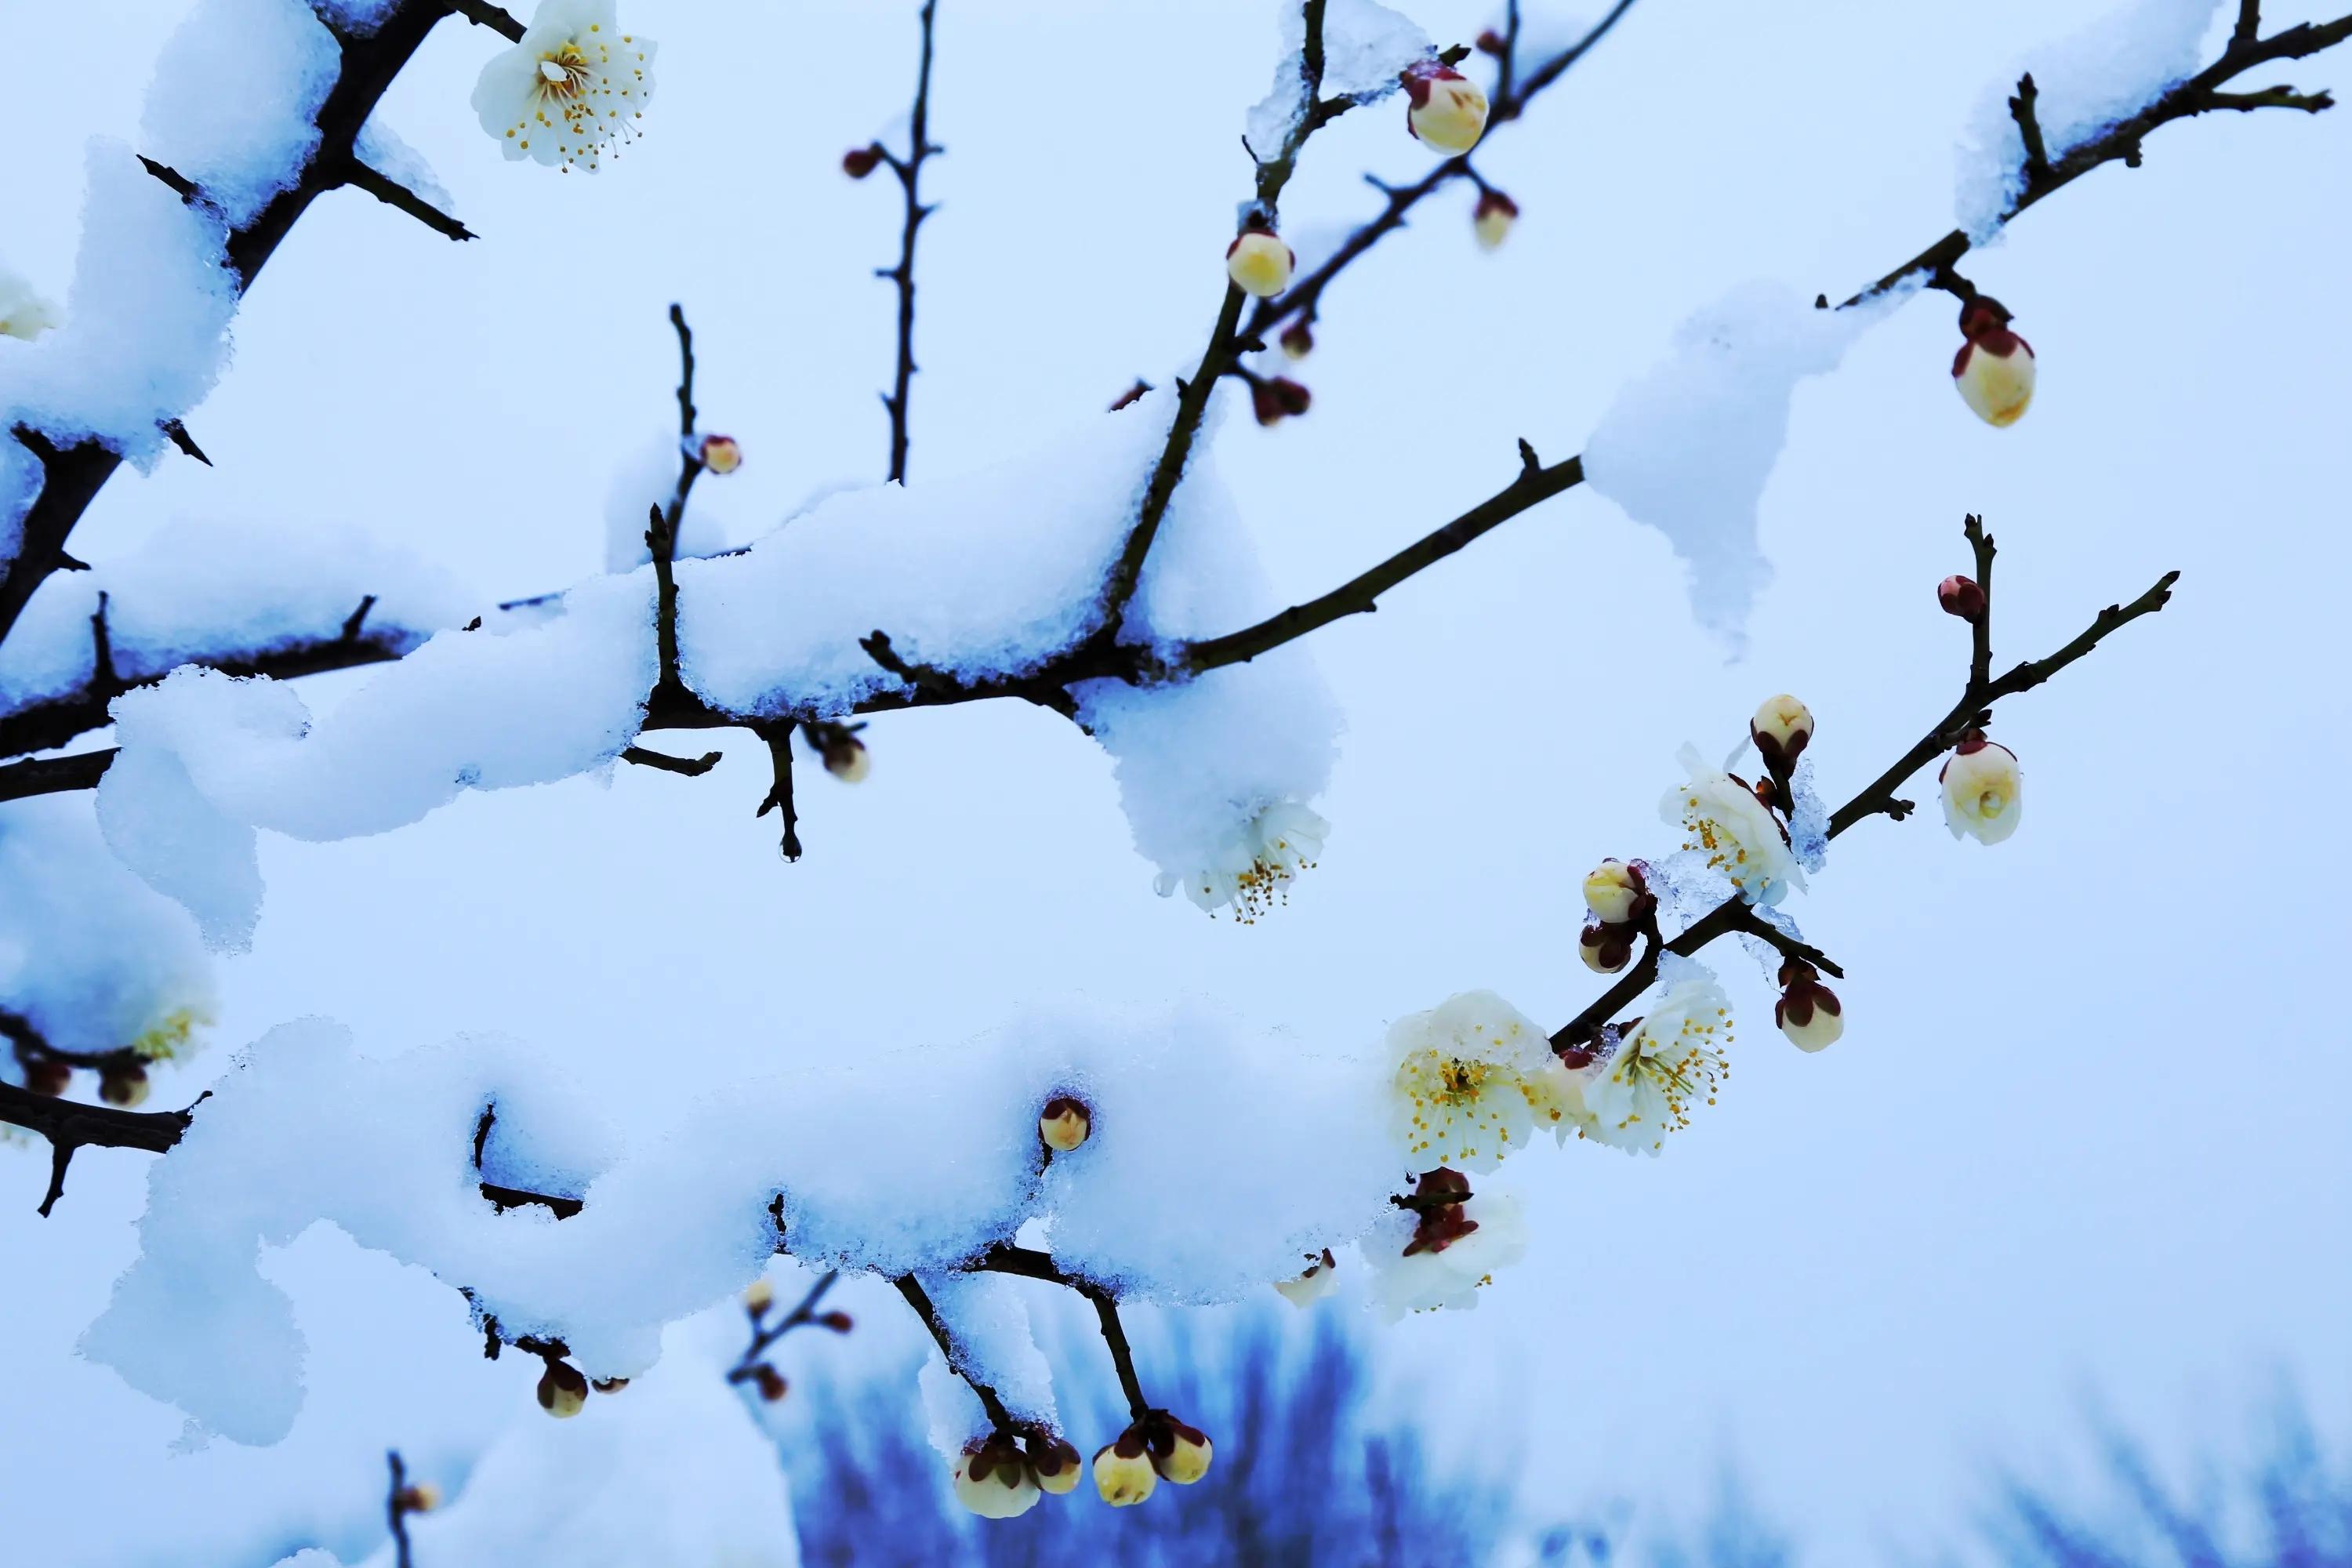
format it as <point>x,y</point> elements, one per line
<point>1808,1011</point>
<point>1492,221</point>
<point>562,1390</point>
<point>1605,948</point>
<point>1055,1463</point>
<point>125,1086</point>
<point>1612,889</point>
<point>1063,1124</point>
<point>759,1297</point>
<point>839,1321</point>
<point>1124,1474</point>
<point>609,1384</point>
<point>1257,261</point>
<point>1961,596</point>
<point>771,1381</point>
<point>421,1498</point>
<point>50,1078</point>
<point>720,455</point>
<point>860,162</point>
<point>1444,107</point>
<point>1781,727</point>
<point>1491,42</point>
<point>1994,370</point>
<point>1297,341</point>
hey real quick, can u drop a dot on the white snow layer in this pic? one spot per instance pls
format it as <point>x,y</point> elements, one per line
<point>217,588</point>
<point>146,323</point>
<point>649,479</point>
<point>380,147</point>
<point>89,955</point>
<point>1219,1156</point>
<point>1688,446</point>
<point>1365,47</point>
<point>234,102</point>
<point>988,1323</point>
<point>2086,83</point>
<point>671,1470</point>
<point>984,578</point>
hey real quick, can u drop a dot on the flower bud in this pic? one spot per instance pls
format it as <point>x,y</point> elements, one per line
<point>771,1383</point>
<point>421,1498</point>
<point>1183,1455</point>
<point>1808,1011</point>
<point>845,758</point>
<point>1063,1124</point>
<point>1320,1279</point>
<point>1258,262</point>
<point>1297,341</point>
<point>1994,369</point>
<point>1492,219</point>
<point>1605,948</point>
<point>1611,889</point>
<point>1981,785</point>
<point>1961,596</point>
<point>759,1297</point>
<point>721,455</point>
<point>45,1077</point>
<point>1055,1463</point>
<point>839,1322</point>
<point>1781,727</point>
<point>125,1086</point>
<point>562,1390</point>
<point>992,1479</point>
<point>1491,42</point>
<point>1444,108</point>
<point>1123,1472</point>
<point>860,162</point>
<point>609,1384</point>
<point>1278,398</point>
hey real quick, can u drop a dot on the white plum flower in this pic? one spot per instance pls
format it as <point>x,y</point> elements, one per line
<point>1465,1092</point>
<point>24,311</point>
<point>1488,1234</point>
<point>1253,868</point>
<point>1740,837</point>
<point>1663,1065</point>
<point>1980,790</point>
<point>574,87</point>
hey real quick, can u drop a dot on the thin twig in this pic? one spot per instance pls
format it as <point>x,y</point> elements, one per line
<point>2029,131</point>
<point>692,767</point>
<point>764,1334</point>
<point>392,193</point>
<point>778,734</point>
<point>482,14</point>
<point>909,171</point>
<point>1122,1355</point>
<point>396,1510</point>
<point>998,1416</point>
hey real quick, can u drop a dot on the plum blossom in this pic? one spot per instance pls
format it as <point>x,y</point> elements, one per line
<point>1994,370</point>
<point>1443,1265</point>
<point>1253,869</point>
<point>1740,837</point>
<point>1646,1087</point>
<point>1469,1084</point>
<point>574,87</point>
<point>1980,790</point>
<point>24,312</point>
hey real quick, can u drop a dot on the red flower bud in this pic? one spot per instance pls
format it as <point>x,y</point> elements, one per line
<point>1961,596</point>
<point>860,162</point>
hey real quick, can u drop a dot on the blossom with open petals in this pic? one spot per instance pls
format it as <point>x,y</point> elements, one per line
<point>24,313</point>
<point>1463,1093</point>
<point>1980,790</point>
<point>573,90</point>
<point>1484,1233</point>
<point>1252,870</point>
<point>1721,819</point>
<point>1661,1066</point>
<point>1322,1277</point>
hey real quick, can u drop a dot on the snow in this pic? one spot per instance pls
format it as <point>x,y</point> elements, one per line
<point>1365,46</point>
<point>1809,818</point>
<point>216,588</point>
<point>672,1469</point>
<point>2086,83</point>
<point>523,702</point>
<point>357,17</point>
<point>988,1322</point>
<point>379,146</point>
<point>235,97</point>
<point>89,955</point>
<point>647,479</point>
<point>1221,1154</point>
<point>146,320</point>
<point>20,485</point>
<point>1688,447</point>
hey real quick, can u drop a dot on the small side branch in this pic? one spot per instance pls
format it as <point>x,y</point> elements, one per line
<point>484,15</point>
<point>778,734</point>
<point>691,767</point>
<point>2029,129</point>
<point>395,1510</point>
<point>764,1334</point>
<point>392,193</point>
<point>909,171</point>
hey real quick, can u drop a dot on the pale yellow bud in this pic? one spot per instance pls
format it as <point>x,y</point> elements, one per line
<point>1820,1028</point>
<point>1055,1464</point>
<point>1123,1472</point>
<point>1994,369</point>
<point>1063,1124</point>
<point>759,1297</point>
<point>1981,789</point>
<point>126,1087</point>
<point>562,1390</point>
<point>1188,1459</point>
<point>992,1479</point>
<point>421,1498</point>
<point>1260,263</point>
<point>1610,889</point>
<point>1493,220</point>
<point>721,455</point>
<point>1782,718</point>
<point>1448,110</point>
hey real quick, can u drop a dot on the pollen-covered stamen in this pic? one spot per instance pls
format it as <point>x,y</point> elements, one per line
<point>563,73</point>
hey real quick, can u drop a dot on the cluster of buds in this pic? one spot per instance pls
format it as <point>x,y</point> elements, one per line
<point>1493,218</point>
<point>1276,397</point>
<point>1157,1447</point>
<point>1962,597</point>
<point>1257,260</point>
<point>1442,107</point>
<point>1808,1011</point>
<point>1994,369</point>
<point>1321,1277</point>
<point>1002,1476</point>
<point>1617,892</point>
<point>1438,1200</point>
<point>1298,341</point>
<point>1063,1124</point>
<point>720,455</point>
<point>1981,788</point>
<point>121,1080</point>
<point>839,749</point>
<point>860,162</point>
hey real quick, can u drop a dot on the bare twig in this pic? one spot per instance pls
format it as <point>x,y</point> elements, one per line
<point>1122,1355</point>
<point>2029,131</point>
<point>482,14</point>
<point>692,767</point>
<point>910,171</point>
<point>778,734</point>
<point>765,1333</point>
<point>396,1510</point>
<point>392,193</point>
<point>998,1416</point>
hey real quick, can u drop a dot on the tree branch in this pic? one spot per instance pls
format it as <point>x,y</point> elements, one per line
<point>909,171</point>
<point>392,193</point>
<point>778,734</point>
<point>691,767</point>
<point>482,14</point>
<point>998,1416</point>
<point>396,1510</point>
<point>748,1365</point>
